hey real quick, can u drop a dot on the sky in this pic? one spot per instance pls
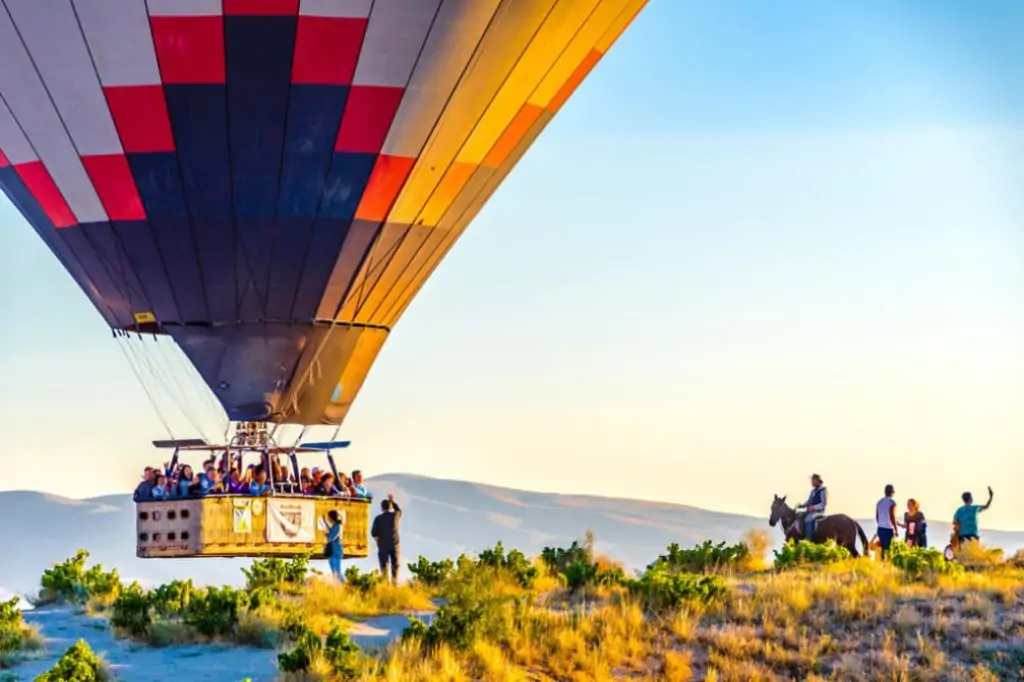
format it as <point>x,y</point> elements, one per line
<point>764,239</point>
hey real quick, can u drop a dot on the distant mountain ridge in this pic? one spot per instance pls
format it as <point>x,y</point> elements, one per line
<point>442,518</point>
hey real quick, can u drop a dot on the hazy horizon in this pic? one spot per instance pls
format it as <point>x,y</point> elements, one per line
<point>760,242</point>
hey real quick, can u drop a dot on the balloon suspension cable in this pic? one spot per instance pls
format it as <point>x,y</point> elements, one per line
<point>145,388</point>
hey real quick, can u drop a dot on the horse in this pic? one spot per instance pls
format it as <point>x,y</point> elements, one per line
<point>838,527</point>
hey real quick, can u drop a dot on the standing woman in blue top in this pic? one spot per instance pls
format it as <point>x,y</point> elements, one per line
<point>334,544</point>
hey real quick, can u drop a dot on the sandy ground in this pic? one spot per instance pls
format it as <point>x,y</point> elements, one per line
<point>61,628</point>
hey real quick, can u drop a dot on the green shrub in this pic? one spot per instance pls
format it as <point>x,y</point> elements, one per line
<point>132,611</point>
<point>515,564</point>
<point>364,582</point>
<point>338,650</point>
<point>15,636</point>
<point>69,582</point>
<point>582,574</point>
<point>78,664</point>
<point>214,612</point>
<point>171,599</point>
<point>461,622</point>
<point>277,573</point>
<point>660,589</point>
<point>920,562</point>
<point>804,552</point>
<point>432,573</point>
<point>559,559</point>
<point>703,558</point>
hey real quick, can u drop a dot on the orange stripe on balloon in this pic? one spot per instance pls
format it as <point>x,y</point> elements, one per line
<point>569,87</point>
<point>447,191</point>
<point>513,135</point>
<point>386,181</point>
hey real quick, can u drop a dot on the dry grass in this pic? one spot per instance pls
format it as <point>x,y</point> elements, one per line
<point>858,620</point>
<point>323,600</point>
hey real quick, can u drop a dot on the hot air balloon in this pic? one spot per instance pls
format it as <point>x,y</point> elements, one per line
<point>269,183</point>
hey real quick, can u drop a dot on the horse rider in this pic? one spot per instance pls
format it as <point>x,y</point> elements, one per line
<point>814,508</point>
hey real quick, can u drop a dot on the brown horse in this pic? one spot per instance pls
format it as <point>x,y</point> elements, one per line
<point>838,527</point>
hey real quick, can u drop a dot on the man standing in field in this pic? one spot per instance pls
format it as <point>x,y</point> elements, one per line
<point>385,532</point>
<point>965,521</point>
<point>885,517</point>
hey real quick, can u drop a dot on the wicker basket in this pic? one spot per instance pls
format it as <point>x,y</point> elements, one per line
<point>244,526</point>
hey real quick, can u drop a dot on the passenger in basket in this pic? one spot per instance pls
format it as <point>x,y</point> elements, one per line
<point>235,484</point>
<point>326,486</point>
<point>144,490</point>
<point>344,486</point>
<point>259,486</point>
<point>334,544</point>
<point>358,489</point>
<point>185,481</point>
<point>159,491</point>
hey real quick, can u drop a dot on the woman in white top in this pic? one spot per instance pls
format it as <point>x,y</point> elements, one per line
<point>885,517</point>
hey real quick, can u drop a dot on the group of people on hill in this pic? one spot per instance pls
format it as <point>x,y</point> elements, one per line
<point>231,478</point>
<point>888,525</point>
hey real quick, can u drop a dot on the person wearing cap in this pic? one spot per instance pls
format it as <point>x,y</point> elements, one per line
<point>965,521</point>
<point>885,518</point>
<point>814,508</point>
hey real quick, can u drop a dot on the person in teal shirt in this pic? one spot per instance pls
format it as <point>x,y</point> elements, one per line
<point>966,518</point>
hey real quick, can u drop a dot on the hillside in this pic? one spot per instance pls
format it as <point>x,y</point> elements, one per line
<point>442,518</point>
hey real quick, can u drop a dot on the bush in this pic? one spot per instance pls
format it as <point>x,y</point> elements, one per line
<point>69,582</point>
<point>132,612</point>
<point>515,564</point>
<point>460,623</point>
<point>921,562</point>
<point>582,574</point>
<point>431,573</point>
<point>804,552</point>
<point>277,573</point>
<point>15,635</point>
<point>172,599</point>
<point>559,559</point>
<point>338,651</point>
<point>364,582</point>
<point>78,664</point>
<point>660,589</point>
<point>214,611</point>
<point>704,558</point>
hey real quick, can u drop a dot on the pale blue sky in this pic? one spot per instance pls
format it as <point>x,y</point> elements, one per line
<point>764,239</point>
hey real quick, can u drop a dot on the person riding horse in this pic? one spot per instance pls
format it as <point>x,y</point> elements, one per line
<point>814,508</point>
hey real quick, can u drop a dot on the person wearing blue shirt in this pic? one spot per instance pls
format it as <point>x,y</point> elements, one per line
<point>259,486</point>
<point>334,545</point>
<point>357,485</point>
<point>965,521</point>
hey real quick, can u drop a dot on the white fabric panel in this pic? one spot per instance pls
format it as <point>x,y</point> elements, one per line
<point>28,100</point>
<point>120,41</point>
<point>448,49</point>
<point>13,142</point>
<point>394,37</point>
<point>185,8</point>
<point>355,9</point>
<point>50,30</point>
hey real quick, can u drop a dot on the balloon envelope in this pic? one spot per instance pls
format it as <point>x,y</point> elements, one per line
<point>270,182</point>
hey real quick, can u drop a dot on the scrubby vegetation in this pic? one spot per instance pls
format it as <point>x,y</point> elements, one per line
<point>712,612</point>
<point>17,639</point>
<point>78,664</point>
